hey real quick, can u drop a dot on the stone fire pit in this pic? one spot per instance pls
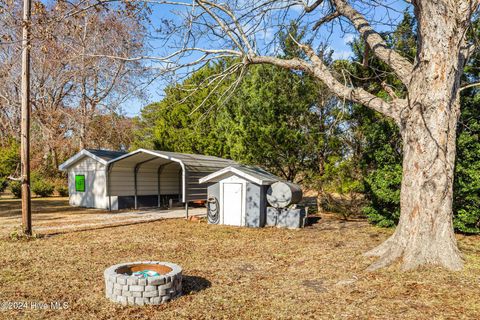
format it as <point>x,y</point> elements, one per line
<point>123,287</point>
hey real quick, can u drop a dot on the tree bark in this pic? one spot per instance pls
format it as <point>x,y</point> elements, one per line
<point>25,125</point>
<point>425,232</point>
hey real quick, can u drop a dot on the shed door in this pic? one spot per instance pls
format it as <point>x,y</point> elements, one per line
<point>232,204</point>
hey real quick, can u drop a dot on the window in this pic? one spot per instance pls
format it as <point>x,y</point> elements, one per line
<point>80,183</point>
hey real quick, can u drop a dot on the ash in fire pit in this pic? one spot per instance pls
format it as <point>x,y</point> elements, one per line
<point>146,282</point>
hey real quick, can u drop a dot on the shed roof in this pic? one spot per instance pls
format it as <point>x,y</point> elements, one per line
<point>102,156</point>
<point>106,154</point>
<point>254,174</point>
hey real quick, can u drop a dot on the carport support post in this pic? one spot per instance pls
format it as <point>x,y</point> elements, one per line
<point>135,172</point>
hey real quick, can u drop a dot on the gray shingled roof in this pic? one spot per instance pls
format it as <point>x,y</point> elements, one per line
<point>259,173</point>
<point>106,155</point>
<point>255,174</point>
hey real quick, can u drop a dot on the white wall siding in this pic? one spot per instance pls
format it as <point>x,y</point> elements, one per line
<point>88,164</point>
<point>95,184</point>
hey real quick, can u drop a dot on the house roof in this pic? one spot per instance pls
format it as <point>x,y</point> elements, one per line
<point>102,156</point>
<point>254,174</point>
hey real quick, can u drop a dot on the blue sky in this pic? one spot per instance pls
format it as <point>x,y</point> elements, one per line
<point>337,39</point>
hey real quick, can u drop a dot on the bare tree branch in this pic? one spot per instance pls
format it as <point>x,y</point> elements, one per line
<point>400,65</point>
<point>313,6</point>
<point>222,24</point>
<point>321,71</point>
<point>237,24</point>
<point>326,19</point>
<point>470,85</point>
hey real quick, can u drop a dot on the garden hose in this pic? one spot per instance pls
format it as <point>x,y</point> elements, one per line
<point>213,211</point>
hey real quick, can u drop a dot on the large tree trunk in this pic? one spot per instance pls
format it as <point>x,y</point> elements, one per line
<point>425,233</point>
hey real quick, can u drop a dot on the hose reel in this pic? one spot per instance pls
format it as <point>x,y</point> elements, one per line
<point>213,210</point>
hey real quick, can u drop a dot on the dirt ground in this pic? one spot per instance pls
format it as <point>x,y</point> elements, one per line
<point>232,273</point>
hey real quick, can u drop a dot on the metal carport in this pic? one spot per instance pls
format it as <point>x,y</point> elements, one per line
<point>148,173</point>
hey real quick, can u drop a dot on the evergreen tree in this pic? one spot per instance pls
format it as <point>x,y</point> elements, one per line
<point>9,161</point>
<point>276,118</point>
<point>184,121</point>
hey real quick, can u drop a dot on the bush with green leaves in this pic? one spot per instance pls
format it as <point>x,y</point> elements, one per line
<point>42,187</point>
<point>466,203</point>
<point>16,188</point>
<point>342,188</point>
<point>62,190</point>
<point>3,184</point>
<point>9,158</point>
<point>382,188</point>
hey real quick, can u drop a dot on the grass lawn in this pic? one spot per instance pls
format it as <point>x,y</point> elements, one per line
<point>236,273</point>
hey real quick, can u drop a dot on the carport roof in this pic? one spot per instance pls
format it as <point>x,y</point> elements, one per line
<point>191,161</point>
<point>194,167</point>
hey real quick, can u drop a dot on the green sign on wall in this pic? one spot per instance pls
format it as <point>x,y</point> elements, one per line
<point>80,183</point>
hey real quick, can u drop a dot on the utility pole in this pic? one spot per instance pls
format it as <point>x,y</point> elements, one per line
<point>26,110</point>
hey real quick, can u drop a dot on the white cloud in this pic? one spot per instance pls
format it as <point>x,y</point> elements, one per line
<point>341,54</point>
<point>348,37</point>
<point>300,8</point>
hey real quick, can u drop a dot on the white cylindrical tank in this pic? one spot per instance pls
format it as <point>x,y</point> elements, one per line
<point>282,194</point>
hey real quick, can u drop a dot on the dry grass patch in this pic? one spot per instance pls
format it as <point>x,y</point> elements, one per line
<point>42,207</point>
<point>237,273</point>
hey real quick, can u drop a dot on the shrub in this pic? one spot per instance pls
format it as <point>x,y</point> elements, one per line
<point>3,184</point>
<point>466,188</point>
<point>16,188</point>
<point>382,188</point>
<point>9,158</point>
<point>342,188</point>
<point>62,190</point>
<point>42,188</point>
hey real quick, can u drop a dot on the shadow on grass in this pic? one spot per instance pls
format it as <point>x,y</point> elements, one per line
<point>312,220</point>
<point>193,284</point>
<point>12,207</point>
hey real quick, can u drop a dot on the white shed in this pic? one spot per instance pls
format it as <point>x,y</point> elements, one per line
<point>87,178</point>
<point>237,195</point>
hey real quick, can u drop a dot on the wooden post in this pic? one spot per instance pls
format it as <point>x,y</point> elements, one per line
<point>25,126</point>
